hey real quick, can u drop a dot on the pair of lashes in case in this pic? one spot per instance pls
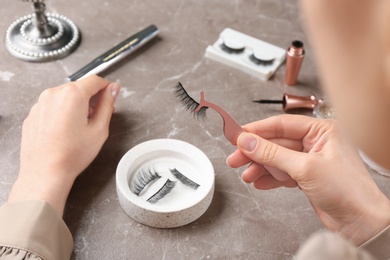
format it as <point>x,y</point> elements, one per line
<point>147,176</point>
<point>234,47</point>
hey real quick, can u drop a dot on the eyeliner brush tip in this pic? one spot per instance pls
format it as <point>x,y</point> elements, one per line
<point>267,101</point>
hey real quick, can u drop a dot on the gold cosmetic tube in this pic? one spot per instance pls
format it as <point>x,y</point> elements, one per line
<point>295,55</point>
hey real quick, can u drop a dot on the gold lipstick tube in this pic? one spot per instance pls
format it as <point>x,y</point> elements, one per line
<point>295,55</point>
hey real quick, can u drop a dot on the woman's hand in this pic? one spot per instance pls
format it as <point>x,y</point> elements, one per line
<point>63,133</point>
<point>323,164</point>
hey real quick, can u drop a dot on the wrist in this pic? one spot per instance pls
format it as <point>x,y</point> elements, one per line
<point>370,223</point>
<point>52,188</point>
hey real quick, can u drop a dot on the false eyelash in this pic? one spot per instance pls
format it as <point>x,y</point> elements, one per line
<point>260,62</point>
<point>229,50</point>
<point>161,193</point>
<point>184,179</point>
<point>188,102</point>
<point>144,177</point>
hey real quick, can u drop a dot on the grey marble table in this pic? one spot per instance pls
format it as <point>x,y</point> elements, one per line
<point>241,223</point>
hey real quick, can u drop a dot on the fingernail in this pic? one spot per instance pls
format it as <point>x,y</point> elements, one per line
<point>115,88</point>
<point>227,160</point>
<point>247,142</point>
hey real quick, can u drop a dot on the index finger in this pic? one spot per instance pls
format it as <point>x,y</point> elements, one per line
<point>294,127</point>
<point>91,85</point>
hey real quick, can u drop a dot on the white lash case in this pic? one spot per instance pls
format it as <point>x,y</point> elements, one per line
<point>268,56</point>
<point>183,204</point>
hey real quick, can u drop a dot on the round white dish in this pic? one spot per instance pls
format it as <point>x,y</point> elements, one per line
<point>183,203</point>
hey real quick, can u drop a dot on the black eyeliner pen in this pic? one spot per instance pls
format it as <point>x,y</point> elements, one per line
<point>115,54</point>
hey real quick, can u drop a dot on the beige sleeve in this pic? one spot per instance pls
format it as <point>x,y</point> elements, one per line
<point>325,245</point>
<point>379,246</point>
<point>33,230</point>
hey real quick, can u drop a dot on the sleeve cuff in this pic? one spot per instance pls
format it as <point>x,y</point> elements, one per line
<point>324,245</point>
<point>34,226</point>
<point>378,246</point>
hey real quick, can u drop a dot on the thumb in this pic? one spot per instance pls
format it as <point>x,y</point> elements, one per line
<point>105,106</point>
<point>268,153</point>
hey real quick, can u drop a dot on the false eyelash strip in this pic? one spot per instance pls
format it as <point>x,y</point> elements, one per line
<point>161,193</point>
<point>184,179</point>
<point>229,50</point>
<point>144,177</point>
<point>258,61</point>
<point>188,102</point>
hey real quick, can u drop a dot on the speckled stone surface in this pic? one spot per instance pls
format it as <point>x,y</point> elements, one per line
<point>241,222</point>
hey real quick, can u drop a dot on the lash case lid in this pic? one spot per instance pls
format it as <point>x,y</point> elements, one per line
<point>244,60</point>
<point>263,56</point>
<point>233,45</point>
<point>164,199</point>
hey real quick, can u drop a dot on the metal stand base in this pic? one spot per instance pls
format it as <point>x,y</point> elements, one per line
<point>53,39</point>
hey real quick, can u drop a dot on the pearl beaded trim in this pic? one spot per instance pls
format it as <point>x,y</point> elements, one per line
<point>54,19</point>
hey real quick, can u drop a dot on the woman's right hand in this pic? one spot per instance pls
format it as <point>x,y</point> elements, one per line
<point>63,133</point>
<point>323,164</point>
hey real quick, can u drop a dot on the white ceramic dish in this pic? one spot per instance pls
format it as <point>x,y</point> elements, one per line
<point>183,204</point>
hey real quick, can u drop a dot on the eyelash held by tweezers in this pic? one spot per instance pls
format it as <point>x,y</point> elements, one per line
<point>161,193</point>
<point>144,177</point>
<point>231,129</point>
<point>188,102</point>
<point>184,179</point>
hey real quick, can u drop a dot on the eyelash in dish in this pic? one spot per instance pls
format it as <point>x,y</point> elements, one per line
<point>165,189</point>
<point>188,102</point>
<point>184,179</point>
<point>144,177</point>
